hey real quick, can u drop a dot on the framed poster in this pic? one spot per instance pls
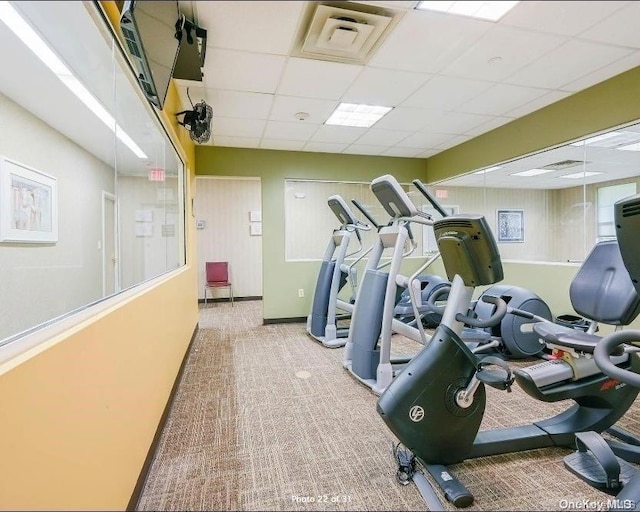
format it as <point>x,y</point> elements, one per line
<point>510,225</point>
<point>29,204</point>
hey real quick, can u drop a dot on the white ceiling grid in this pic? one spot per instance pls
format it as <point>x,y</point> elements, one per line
<point>448,78</point>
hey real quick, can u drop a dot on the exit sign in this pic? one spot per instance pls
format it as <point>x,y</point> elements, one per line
<point>442,193</point>
<point>156,174</point>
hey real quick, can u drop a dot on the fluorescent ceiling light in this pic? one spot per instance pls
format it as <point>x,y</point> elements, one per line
<point>533,172</point>
<point>484,10</point>
<point>350,114</point>
<point>630,147</point>
<point>611,140</point>
<point>488,169</point>
<point>39,47</point>
<point>578,175</point>
<point>597,138</point>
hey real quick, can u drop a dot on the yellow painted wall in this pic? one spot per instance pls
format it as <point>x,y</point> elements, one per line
<point>80,412</point>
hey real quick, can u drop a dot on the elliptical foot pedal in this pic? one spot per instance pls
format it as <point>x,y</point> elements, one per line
<point>499,378</point>
<point>595,463</point>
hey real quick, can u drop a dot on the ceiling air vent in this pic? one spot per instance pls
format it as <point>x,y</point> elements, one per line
<point>564,164</point>
<point>349,35</point>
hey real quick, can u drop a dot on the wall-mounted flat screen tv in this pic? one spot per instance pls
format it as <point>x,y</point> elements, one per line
<point>149,29</point>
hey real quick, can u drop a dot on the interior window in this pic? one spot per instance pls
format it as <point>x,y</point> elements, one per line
<point>91,188</point>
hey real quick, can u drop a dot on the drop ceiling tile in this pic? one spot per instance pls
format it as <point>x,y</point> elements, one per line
<point>621,28</point>
<point>196,91</point>
<point>337,134</point>
<point>453,141</point>
<point>567,18</point>
<point>284,108</point>
<point>236,142</point>
<point>403,152</point>
<point>325,147</point>
<point>242,71</point>
<point>501,52</point>
<point>364,149</point>
<point>317,78</point>
<point>501,98</point>
<point>428,153</point>
<point>424,140</point>
<point>289,131</point>
<point>245,105</point>
<point>604,73</point>
<point>568,63</point>
<point>401,118</point>
<point>427,41</point>
<point>290,145</point>
<point>397,4</point>
<point>446,93</point>
<point>379,137</point>
<point>538,103</point>
<point>456,122</point>
<point>232,127</point>
<point>383,87</point>
<point>494,123</point>
<point>257,26</point>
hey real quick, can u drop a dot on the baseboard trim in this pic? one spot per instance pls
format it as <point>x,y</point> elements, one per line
<point>292,320</point>
<point>137,491</point>
<point>235,299</point>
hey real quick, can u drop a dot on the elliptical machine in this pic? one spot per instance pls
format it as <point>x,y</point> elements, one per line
<point>436,404</point>
<point>334,274</point>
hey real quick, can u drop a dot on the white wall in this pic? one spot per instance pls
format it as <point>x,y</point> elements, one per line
<point>41,281</point>
<point>224,205</point>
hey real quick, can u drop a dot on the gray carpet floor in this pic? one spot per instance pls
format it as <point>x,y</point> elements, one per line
<point>267,419</point>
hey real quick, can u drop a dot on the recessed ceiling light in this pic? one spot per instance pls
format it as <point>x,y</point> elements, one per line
<point>483,10</point>
<point>533,172</point>
<point>578,175</point>
<point>12,19</point>
<point>488,169</point>
<point>351,114</point>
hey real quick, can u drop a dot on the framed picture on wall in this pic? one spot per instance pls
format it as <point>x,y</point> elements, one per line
<point>28,204</point>
<point>510,225</point>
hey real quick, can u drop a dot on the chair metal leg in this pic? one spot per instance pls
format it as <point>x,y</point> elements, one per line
<point>231,294</point>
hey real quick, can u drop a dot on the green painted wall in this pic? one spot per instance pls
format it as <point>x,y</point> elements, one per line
<point>281,279</point>
<point>611,103</point>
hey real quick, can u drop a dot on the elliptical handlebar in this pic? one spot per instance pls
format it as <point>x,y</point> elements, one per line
<point>431,301</point>
<point>366,213</point>
<point>423,190</point>
<point>498,315</point>
<point>606,347</point>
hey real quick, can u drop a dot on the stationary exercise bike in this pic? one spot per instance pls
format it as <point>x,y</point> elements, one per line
<point>604,463</point>
<point>436,404</point>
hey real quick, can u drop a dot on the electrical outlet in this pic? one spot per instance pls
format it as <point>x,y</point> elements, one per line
<point>301,292</point>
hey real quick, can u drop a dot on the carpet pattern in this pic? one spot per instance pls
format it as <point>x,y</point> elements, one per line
<point>267,419</point>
